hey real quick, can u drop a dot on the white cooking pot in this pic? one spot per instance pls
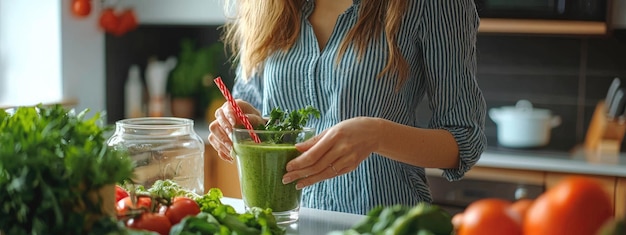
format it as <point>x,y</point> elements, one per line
<point>522,126</point>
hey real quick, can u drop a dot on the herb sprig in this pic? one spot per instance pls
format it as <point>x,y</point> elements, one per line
<point>290,121</point>
<point>280,120</point>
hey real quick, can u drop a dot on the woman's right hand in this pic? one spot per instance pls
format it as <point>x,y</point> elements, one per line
<point>222,127</point>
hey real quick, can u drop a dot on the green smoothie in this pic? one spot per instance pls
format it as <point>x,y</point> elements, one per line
<point>261,169</point>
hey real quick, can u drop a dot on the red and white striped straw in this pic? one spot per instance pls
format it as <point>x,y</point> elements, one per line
<point>242,117</point>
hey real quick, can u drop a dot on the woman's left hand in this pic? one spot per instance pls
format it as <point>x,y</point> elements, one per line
<point>335,151</point>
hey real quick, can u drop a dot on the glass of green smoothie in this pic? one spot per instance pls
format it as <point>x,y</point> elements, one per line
<point>261,168</point>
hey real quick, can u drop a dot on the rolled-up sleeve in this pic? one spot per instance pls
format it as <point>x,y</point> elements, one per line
<point>448,41</point>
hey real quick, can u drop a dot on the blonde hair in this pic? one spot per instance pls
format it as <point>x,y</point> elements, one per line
<point>262,27</point>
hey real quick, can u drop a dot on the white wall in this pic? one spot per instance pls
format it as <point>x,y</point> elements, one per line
<point>30,56</point>
<point>83,62</point>
<point>47,55</point>
<point>190,12</point>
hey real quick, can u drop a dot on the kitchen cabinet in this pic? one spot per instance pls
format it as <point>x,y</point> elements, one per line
<point>506,175</point>
<point>620,198</point>
<point>615,186</point>
<point>220,174</point>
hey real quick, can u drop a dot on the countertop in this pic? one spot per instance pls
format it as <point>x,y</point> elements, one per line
<point>311,221</point>
<point>577,161</point>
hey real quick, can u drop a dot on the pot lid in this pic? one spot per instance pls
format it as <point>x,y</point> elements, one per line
<point>525,108</point>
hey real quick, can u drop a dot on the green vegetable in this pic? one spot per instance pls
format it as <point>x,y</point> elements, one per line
<point>218,218</point>
<point>51,161</point>
<point>194,64</point>
<point>280,120</point>
<point>288,121</point>
<point>423,219</point>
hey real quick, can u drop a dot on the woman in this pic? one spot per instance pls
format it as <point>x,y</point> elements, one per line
<point>366,64</point>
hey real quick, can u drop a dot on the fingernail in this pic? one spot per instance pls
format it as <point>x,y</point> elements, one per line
<point>286,180</point>
<point>289,167</point>
<point>298,186</point>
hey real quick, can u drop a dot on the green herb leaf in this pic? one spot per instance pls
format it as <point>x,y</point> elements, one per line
<point>280,120</point>
<point>50,161</point>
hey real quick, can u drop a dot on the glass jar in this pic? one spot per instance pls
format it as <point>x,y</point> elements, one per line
<point>162,148</point>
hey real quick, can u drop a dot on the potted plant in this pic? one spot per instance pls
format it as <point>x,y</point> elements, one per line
<point>56,172</point>
<point>187,81</point>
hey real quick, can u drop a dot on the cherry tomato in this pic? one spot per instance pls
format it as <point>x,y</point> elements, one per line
<point>120,193</point>
<point>81,8</point>
<point>108,20</point>
<point>125,204</point>
<point>152,222</point>
<point>180,208</point>
<point>127,22</point>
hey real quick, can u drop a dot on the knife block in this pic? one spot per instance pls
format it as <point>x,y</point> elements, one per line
<point>605,134</point>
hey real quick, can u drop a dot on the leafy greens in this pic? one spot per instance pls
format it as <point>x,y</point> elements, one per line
<point>51,161</point>
<point>287,122</point>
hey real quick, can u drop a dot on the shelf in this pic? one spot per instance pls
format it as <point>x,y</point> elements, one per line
<point>543,27</point>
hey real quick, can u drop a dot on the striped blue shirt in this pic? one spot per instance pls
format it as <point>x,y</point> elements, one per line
<point>437,38</point>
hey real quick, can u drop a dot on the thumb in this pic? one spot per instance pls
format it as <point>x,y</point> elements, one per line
<point>255,119</point>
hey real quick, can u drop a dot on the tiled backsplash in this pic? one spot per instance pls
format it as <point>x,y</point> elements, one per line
<point>567,75</point>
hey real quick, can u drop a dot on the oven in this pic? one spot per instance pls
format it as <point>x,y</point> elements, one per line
<point>455,196</point>
<point>588,10</point>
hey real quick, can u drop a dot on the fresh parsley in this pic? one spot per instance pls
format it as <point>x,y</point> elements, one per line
<point>52,161</point>
<point>287,122</point>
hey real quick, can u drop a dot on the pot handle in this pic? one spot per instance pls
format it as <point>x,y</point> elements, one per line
<point>555,121</point>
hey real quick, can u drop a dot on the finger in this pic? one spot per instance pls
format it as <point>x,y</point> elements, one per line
<point>312,164</point>
<point>311,152</point>
<point>247,108</point>
<point>255,119</point>
<point>327,173</point>
<point>222,149</point>
<point>218,138</point>
<point>344,164</point>
<point>227,113</point>
<point>224,122</point>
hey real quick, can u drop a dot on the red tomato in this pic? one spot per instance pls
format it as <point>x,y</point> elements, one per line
<point>152,222</point>
<point>108,20</point>
<point>180,208</point>
<point>520,208</point>
<point>81,8</point>
<point>125,204</point>
<point>127,22</point>
<point>488,216</point>
<point>120,193</point>
<point>576,205</point>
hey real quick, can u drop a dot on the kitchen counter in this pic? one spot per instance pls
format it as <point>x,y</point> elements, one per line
<point>577,161</point>
<point>312,221</point>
